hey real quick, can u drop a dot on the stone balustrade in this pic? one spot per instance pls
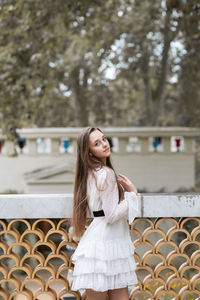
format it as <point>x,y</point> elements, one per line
<point>150,156</point>
<point>36,247</point>
<point>150,205</point>
<point>125,139</point>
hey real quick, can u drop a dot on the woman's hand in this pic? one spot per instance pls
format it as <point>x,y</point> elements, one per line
<point>127,184</point>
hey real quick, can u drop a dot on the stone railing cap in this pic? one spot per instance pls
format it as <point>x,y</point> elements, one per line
<point>14,206</point>
<point>61,132</point>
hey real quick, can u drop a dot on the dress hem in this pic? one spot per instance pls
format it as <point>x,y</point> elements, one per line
<point>104,290</point>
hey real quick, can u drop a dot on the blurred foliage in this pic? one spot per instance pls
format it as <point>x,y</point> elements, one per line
<point>114,62</point>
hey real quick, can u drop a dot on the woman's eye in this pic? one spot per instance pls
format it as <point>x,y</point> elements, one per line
<point>103,139</point>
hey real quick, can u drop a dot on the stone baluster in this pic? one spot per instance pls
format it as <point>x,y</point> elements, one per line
<point>74,145</point>
<point>166,141</point>
<point>123,142</point>
<point>144,142</point>
<point>32,146</point>
<point>55,145</point>
<point>189,144</point>
<point>10,148</point>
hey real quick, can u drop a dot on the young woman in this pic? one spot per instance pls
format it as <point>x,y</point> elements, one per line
<point>104,262</point>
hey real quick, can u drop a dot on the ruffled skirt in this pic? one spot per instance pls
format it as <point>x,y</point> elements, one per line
<point>104,258</point>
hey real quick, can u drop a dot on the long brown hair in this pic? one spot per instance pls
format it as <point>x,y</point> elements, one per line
<point>85,162</point>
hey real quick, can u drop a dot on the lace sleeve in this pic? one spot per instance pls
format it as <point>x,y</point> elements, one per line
<point>132,200</point>
<point>113,209</point>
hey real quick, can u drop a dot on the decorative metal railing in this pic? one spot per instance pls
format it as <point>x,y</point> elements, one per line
<point>35,254</point>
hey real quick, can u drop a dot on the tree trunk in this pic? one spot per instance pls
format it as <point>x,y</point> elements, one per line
<point>147,90</point>
<point>163,68</point>
<point>79,88</point>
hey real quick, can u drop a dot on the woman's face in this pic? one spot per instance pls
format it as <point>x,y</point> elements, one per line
<point>99,145</point>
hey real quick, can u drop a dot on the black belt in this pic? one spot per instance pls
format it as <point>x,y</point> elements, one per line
<point>98,213</point>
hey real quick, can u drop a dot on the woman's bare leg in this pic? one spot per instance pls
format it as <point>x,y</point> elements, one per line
<point>93,295</point>
<point>118,294</point>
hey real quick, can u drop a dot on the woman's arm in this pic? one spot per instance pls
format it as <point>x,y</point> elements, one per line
<point>113,209</point>
<point>127,184</point>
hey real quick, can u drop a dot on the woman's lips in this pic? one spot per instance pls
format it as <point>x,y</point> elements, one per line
<point>108,149</point>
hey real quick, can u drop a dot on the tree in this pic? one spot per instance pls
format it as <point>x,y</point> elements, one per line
<point>147,59</point>
<point>55,57</point>
<point>189,106</point>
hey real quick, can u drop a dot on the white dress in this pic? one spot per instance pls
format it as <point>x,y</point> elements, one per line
<point>104,257</point>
